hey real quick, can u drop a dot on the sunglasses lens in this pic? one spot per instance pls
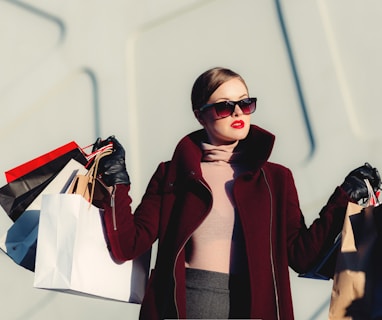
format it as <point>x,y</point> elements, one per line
<point>224,109</point>
<point>248,106</point>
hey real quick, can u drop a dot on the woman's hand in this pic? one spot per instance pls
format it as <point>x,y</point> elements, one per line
<point>354,183</point>
<point>112,168</point>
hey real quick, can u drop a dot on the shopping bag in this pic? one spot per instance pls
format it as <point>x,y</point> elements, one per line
<point>17,195</point>
<point>73,255</point>
<point>72,251</point>
<point>376,312</point>
<point>23,169</point>
<point>33,164</point>
<point>19,242</point>
<point>353,282</point>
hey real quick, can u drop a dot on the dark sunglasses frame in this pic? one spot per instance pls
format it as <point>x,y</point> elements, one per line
<point>224,109</point>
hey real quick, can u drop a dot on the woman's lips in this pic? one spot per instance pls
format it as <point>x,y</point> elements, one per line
<point>238,124</point>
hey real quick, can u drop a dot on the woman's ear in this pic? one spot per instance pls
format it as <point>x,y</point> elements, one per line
<point>199,117</point>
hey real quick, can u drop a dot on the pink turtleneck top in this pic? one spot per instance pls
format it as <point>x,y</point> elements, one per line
<point>217,244</point>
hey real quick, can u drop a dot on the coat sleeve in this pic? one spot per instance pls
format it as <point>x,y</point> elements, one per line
<point>307,245</point>
<point>131,234</point>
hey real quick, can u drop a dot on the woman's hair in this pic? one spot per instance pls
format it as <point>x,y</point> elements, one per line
<point>206,84</point>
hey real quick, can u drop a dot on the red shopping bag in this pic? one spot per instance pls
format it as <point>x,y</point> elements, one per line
<point>29,166</point>
<point>33,164</point>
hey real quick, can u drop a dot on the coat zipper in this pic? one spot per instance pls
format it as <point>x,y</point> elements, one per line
<point>271,247</point>
<point>181,248</point>
<point>112,205</point>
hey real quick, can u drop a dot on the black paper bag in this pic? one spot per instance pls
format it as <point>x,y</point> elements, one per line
<point>17,195</point>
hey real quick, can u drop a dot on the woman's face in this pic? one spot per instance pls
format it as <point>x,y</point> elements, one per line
<point>232,128</point>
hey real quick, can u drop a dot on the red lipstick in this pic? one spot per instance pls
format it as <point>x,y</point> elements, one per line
<point>238,124</point>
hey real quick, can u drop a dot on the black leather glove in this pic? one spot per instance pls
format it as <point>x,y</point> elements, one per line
<point>112,168</point>
<point>354,183</point>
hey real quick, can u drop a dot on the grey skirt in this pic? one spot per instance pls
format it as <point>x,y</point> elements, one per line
<point>215,295</point>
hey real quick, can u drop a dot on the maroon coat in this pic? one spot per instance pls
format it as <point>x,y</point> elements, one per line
<point>176,201</point>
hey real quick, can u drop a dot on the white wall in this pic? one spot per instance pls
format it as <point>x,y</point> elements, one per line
<point>78,69</point>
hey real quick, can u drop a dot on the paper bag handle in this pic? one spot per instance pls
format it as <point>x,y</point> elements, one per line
<point>92,173</point>
<point>373,199</point>
<point>80,184</point>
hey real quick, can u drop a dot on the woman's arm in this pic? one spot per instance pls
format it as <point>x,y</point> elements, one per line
<point>131,234</point>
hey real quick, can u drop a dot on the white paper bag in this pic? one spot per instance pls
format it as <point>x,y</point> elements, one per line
<point>72,252</point>
<point>20,239</point>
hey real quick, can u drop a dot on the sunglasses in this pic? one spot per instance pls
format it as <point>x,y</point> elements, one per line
<point>224,109</point>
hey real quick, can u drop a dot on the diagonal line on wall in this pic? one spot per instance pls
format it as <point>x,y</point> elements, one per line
<point>42,14</point>
<point>296,79</point>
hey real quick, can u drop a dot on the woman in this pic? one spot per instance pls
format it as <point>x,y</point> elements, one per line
<point>228,221</point>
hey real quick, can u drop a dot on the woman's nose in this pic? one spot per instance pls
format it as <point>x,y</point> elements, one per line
<point>237,111</point>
